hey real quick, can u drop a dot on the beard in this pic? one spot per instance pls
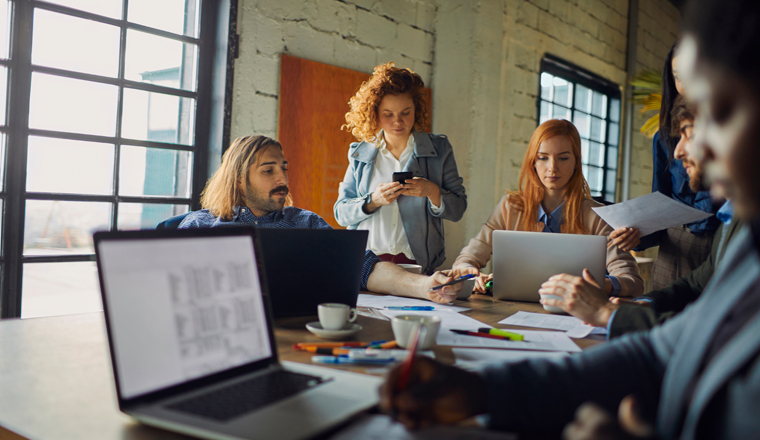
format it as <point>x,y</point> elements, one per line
<point>257,200</point>
<point>696,175</point>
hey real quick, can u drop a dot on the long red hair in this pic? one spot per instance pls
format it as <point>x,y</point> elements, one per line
<point>531,190</point>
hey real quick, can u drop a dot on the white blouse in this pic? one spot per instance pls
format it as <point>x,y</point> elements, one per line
<point>386,230</point>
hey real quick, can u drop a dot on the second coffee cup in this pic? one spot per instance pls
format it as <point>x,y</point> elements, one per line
<point>335,316</point>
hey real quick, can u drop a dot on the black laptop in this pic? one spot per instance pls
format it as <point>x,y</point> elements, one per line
<point>307,267</point>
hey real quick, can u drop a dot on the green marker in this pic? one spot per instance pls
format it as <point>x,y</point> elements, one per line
<point>489,287</point>
<point>499,332</point>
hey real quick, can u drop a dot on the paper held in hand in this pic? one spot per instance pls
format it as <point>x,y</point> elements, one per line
<point>650,213</point>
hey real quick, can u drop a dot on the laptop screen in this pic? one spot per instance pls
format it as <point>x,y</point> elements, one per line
<point>182,308</point>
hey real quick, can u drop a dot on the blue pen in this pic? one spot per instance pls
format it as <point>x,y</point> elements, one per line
<point>411,308</point>
<point>458,280</point>
<point>348,360</point>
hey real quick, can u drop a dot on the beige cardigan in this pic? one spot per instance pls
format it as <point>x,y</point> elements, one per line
<point>505,217</point>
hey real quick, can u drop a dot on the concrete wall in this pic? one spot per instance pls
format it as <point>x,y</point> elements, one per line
<point>481,58</point>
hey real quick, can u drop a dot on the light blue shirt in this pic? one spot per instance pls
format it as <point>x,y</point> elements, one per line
<point>553,222</point>
<point>726,213</point>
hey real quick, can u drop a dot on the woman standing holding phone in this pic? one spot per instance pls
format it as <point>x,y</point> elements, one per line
<point>403,212</point>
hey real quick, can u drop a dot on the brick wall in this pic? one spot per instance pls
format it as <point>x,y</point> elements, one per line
<point>355,34</point>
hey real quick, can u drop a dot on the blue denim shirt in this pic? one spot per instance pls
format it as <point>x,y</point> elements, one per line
<point>669,177</point>
<point>289,218</point>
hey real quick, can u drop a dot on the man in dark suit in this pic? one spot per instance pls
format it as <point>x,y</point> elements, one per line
<point>697,375</point>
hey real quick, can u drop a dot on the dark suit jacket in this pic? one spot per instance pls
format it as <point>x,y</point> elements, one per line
<point>672,299</point>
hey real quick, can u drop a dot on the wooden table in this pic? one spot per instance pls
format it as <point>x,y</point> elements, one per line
<point>56,380</point>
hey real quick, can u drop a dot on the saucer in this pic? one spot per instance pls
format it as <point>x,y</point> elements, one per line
<point>316,328</point>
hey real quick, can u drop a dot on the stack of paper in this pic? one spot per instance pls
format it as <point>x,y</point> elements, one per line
<point>573,327</point>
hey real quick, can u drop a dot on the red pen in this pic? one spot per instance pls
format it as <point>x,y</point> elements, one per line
<point>406,369</point>
<point>482,335</point>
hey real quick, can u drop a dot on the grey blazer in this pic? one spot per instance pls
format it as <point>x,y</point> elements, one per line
<point>433,159</point>
<point>657,366</point>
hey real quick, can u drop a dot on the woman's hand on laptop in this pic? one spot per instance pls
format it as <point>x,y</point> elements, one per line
<point>625,238</point>
<point>580,297</point>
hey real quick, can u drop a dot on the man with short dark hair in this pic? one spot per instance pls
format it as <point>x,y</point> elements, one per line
<point>251,188</point>
<point>698,375</point>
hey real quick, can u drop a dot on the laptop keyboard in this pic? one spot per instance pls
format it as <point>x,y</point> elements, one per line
<point>242,397</point>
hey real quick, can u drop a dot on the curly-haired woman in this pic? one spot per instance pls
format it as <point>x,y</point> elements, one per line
<point>404,219</point>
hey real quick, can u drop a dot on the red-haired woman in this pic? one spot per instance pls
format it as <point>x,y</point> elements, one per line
<point>404,219</point>
<point>553,197</point>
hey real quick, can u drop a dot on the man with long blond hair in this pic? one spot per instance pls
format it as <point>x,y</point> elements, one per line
<point>251,188</point>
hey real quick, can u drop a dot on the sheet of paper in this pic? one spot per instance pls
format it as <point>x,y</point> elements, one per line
<point>650,213</point>
<point>574,327</point>
<point>472,357</point>
<point>449,319</point>
<point>380,427</point>
<point>534,340</point>
<point>381,302</point>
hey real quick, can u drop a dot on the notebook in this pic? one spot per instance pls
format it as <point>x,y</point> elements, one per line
<point>192,346</point>
<point>522,261</point>
<point>307,267</point>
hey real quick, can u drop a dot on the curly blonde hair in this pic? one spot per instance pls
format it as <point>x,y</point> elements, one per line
<point>387,79</point>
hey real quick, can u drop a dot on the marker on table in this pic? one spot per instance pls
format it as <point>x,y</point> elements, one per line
<point>385,345</point>
<point>302,345</point>
<point>348,360</point>
<point>500,332</point>
<point>451,283</point>
<point>326,350</point>
<point>420,308</point>
<point>481,335</point>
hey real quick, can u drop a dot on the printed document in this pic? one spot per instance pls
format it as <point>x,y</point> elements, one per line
<point>573,327</point>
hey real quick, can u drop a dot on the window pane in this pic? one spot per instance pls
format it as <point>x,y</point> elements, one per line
<point>582,99</point>
<point>563,92</point>
<point>581,122</point>
<point>54,227</point>
<point>612,157</point>
<point>599,105</point>
<point>614,137</point>
<point>584,151</point>
<point>596,154</point>
<point>3,94</point>
<point>178,16</point>
<point>161,61</point>
<point>109,8</point>
<point>546,86</point>
<point>71,105</point>
<point>146,215</point>
<point>72,167</point>
<point>155,172</point>
<point>611,181</point>
<point>544,110</point>
<point>51,289</point>
<point>615,110</point>
<point>597,129</point>
<point>5,27</point>
<point>594,178</point>
<point>560,112</point>
<point>158,117</point>
<point>70,43</point>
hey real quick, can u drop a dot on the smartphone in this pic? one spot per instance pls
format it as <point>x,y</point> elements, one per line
<point>458,280</point>
<point>402,176</point>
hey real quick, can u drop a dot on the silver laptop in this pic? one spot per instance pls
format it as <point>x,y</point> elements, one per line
<point>192,347</point>
<point>522,261</point>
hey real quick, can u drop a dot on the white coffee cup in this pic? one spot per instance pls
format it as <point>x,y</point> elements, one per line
<point>404,325</point>
<point>335,316</point>
<point>553,309</point>
<point>413,268</point>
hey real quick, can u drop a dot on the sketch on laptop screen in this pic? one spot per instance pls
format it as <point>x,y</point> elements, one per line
<point>182,309</point>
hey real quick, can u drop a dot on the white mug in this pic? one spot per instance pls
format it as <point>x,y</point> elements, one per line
<point>335,316</point>
<point>404,325</point>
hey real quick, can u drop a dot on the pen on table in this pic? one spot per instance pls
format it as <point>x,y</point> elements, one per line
<point>325,350</point>
<point>406,369</point>
<point>500,332</point>
<point>410,308</point>
<point>481,335</point>
<point>301,345</point>
<point>450,283</point>
<point>385,345</point>
<point>347,360</point>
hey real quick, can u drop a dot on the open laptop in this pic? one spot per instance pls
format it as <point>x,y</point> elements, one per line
<point>522,261</point>
<point>192,346</point>
<point>307,267</point>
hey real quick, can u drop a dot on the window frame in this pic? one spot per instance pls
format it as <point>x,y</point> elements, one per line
<point>576,75</point>
<point>211,127</point>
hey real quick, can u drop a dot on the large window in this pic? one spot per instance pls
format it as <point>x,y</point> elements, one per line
<point>108,128</point>
<point>593,105</point>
